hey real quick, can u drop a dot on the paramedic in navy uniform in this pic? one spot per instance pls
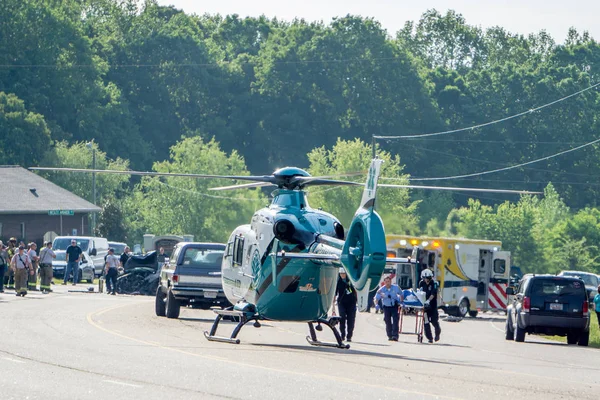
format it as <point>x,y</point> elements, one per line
<point>431,317</point>
<point>391,298</point>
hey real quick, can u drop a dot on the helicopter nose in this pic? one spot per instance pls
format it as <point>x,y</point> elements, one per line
<point>284,230</point>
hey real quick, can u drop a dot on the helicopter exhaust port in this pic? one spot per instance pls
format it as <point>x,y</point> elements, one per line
<point>284,230</point>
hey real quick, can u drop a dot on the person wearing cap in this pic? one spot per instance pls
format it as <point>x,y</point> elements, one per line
<point>9,275</point>
<point>74,254</point>
<point>346,300</point>
<point>4,260</point>
<point>391,298</point>
<point>46,256</point>
<point>33,257</point>
<point>111,271</point>
<point>21,266</point>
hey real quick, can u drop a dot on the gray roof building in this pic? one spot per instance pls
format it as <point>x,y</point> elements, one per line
<point>24,192</point>
<point>30,208</point>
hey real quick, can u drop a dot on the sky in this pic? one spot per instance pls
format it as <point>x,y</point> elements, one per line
<point>516,16</point>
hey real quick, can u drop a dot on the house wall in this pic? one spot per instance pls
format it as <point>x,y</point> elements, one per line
<point>37,225</point>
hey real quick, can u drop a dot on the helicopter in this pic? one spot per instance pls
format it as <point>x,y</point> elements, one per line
<point>284,264</point>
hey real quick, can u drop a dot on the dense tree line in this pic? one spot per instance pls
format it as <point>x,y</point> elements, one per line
<point>152,87</point>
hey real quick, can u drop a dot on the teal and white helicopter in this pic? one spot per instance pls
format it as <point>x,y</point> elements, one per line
<point>284,265</point>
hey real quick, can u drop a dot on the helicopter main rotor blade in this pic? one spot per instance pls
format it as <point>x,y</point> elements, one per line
<point>462,189</point>
<point>317,181</point>
<point>244,186</point>
<point>264,178</point>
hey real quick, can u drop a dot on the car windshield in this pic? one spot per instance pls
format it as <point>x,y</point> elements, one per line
<point>204,258</point>
<point>119,248</point>
<point>60,256</point>
<point>63,243</point>
<point>588,279</point>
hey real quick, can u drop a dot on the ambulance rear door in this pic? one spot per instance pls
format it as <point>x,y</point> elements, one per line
<point>497,298</point>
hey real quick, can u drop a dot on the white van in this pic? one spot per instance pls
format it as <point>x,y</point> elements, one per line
<point>96,247</point>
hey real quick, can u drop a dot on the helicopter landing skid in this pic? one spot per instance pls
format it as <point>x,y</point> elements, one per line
<point>229,313</point>
<point>331,323</point>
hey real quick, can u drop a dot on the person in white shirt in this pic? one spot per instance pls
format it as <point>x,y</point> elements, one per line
<point>33,257</point>
<point>46,256</point>
<point>111,269</point>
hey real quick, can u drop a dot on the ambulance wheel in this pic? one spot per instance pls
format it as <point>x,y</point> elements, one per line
<point>473,314</point>
<point>173,306</point>
<point>463,308</point>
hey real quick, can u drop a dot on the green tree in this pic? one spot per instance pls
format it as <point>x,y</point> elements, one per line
<point>111,222</point>
<point>179,205</point>
<point>347,157</point>
<point>24,136</point>
<point>79,155</point>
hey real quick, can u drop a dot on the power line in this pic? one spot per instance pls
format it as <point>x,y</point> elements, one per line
<point>491,122</point>
<point>497,163</point>
<point>507,168</point>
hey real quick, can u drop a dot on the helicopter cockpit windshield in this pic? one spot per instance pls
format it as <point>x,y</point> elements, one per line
<point>289,198</point>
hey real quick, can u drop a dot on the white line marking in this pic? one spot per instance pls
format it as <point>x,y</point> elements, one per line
<point>13,360</point>
<point>495,327</point>
<point>121,383</point>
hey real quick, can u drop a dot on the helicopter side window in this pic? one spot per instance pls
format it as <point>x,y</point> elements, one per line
<point>238,250</point>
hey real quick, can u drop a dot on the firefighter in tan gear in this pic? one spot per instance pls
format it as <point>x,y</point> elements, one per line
<point>21,266</point>
<point>46,256</point>
<point>34,259</point>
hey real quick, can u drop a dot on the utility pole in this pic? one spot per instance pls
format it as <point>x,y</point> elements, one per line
<point>90,145</point>
<point>94,189</point>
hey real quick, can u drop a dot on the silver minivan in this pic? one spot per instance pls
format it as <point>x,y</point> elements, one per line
<point>95,247</point>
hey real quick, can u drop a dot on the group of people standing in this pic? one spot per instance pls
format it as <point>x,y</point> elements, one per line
<point>391,298</point>
<point>20,264</point>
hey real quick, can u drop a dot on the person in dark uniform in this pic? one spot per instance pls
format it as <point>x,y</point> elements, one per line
<point>431,316</point>
<point>346,301</point>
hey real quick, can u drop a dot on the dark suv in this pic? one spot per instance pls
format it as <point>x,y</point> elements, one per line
<point>192,276</point>
<point>549,305</point>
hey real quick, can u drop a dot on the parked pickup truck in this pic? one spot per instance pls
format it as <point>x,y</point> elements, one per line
<point>191,277</point>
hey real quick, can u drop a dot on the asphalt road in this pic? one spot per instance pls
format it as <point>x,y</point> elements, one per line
<point>75,345</point>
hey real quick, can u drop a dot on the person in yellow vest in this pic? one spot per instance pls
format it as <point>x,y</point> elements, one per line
<point>33,257</point>
<point>46,272</point>
<point>21,265</point>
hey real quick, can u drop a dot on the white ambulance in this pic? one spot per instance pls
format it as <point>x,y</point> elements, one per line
<point>472,275</point>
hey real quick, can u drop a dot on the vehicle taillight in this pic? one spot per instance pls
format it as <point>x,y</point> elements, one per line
<point>175,278</point>
<point>586,306</point>
<point>526,303</point>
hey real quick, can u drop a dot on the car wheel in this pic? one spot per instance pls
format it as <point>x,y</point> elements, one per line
<point>172,306</point>
<point>160,308</point>
<point>584,338</point>
<point>508,329</point>
<point>90,280</point>
<point>473,314</point>
<point>463,308</point>
<point>572,337</point>
<point>519,334</point>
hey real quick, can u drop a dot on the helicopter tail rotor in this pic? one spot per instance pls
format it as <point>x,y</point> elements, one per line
<point>364,251</point>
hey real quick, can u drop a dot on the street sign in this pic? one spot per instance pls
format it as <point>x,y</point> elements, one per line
<point>61,212</point>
